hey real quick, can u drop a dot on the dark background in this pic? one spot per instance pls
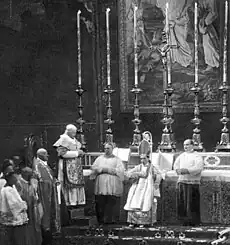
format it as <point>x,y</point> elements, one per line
<point>38,74</point>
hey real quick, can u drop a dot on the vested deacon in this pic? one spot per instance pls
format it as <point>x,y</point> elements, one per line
<point>188,166</point>
<point>142,198</point>
<point>70,171</point>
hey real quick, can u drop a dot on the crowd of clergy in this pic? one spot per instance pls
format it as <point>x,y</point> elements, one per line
<point>35,202</point>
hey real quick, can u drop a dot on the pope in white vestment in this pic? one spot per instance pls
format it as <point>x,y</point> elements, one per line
<point>70,172</point>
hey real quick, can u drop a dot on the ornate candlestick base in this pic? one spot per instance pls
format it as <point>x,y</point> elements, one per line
<point>196,137</point>
<point>109,133</point>
<point>198,145</point>
<point>224,144</point>
<point>136,121</point>
<point>80,91</point>
<point>169,92</point>
<point>167,143</point>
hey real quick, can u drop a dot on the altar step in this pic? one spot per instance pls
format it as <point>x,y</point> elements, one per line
<point>84,221</point>
<point>161,231</point>
<point>122,235</point>
<point>131,241</point>
<point>81,217</point>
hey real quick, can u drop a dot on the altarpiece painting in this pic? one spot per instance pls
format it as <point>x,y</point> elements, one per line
<point>150,24</point>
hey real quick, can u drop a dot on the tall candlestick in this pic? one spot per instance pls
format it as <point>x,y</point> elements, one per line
<point>224,144</point>
<point>225,44</point>
<point>196,43</point>
<point>108,47</point>
<point>79,46</point>
<point>135,46</point>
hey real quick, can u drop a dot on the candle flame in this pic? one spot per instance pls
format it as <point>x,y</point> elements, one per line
<point>79,12</point>
<point>108,10</point>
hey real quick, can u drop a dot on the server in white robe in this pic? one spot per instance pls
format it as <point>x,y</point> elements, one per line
<point>188,166</point>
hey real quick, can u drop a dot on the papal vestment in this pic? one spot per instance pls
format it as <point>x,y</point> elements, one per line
<point>70,171</point>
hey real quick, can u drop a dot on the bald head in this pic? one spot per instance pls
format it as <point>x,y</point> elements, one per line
<point>71,127</point>
<point>71,130</point>
<point>188,145</point>
<point>42,154</point>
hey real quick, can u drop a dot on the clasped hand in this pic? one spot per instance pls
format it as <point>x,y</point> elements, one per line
<point>105,171</point>
<point>109,171</point>
<point>136,176</point>
<point>80,153</point>
<point>182,171</point>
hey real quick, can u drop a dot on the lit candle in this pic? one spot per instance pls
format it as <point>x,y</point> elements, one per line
<point>169,80</point>
<point>225,44</point>
<point>196,43</point>
<point>135,46</point>
<point>108,47</point>
<point>169,68</point>
<point>11,9</point>
<point>167,21</point>
<point>79,47</point>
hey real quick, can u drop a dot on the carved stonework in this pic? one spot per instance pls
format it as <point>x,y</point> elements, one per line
<point>210,208</point>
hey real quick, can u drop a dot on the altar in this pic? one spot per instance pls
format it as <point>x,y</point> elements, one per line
<point>214,203</point>
<point>214,188</point>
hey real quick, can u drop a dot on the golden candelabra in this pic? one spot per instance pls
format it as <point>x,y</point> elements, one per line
<point>198,145</point>
<point>80,91</point>
<point>167,143</point>
<point>109,133</point>
<point>224,144</point>
<point>80,121</point>
<point>169,92</point>
<point>136,90</point>
<point>196,137</point>
<point>108,90</point>
<point>136,132</point>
